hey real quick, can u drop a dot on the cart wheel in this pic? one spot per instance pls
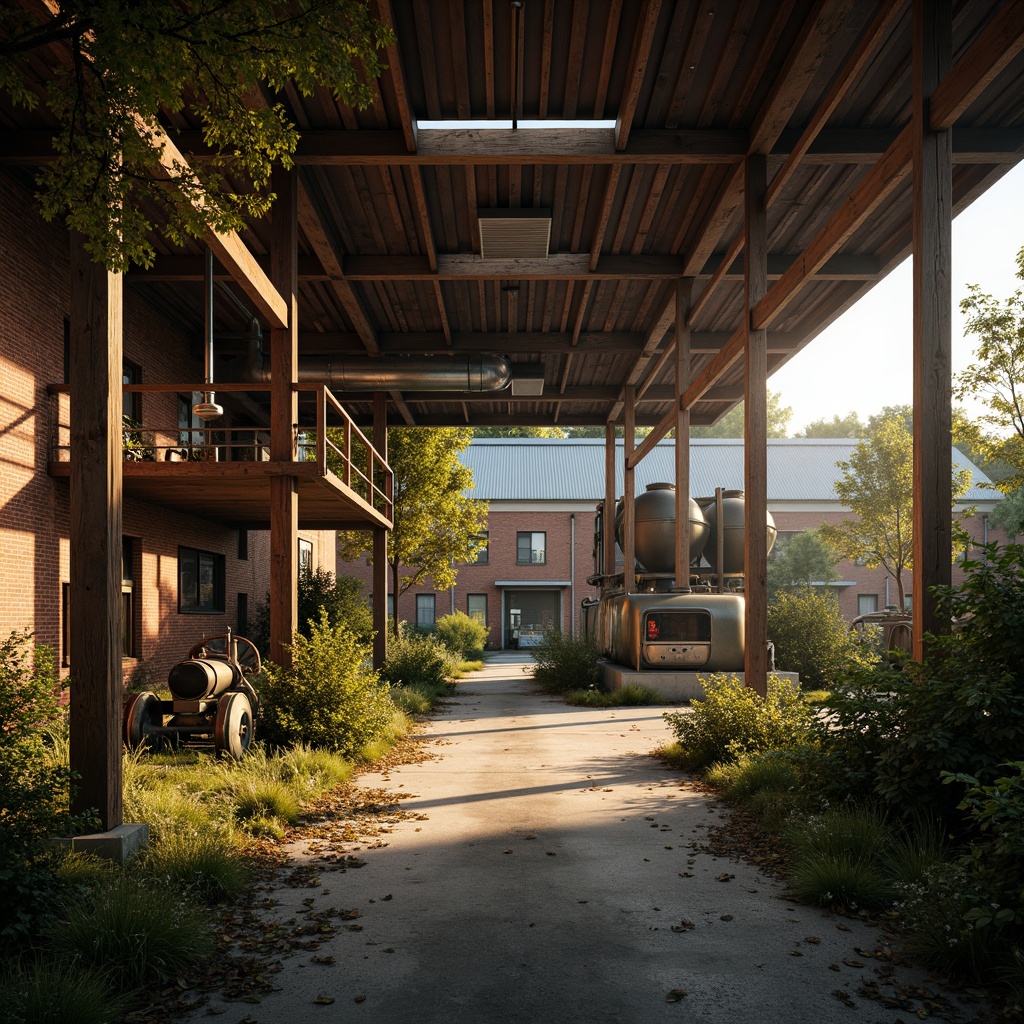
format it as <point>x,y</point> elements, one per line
<point>143,718</point>
<point>233,730</point>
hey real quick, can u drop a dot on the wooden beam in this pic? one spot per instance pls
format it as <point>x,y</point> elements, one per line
<point>608,515</point>
<point>284,493</point>
<point>876,186</point>
<point>660,147</point>
<point>629,482</point>
<point>227,246</point>
<point>755,429</point>
<point>682,350</point>
<point>989,54</point>
<point>636,72</point>
<point>933,300</point>
<point>95,373</point>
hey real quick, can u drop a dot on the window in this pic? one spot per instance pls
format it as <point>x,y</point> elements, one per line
<point>127,599</point>
<point>530,548</point>
<point>65,633</point>
<point>131,373</point>
<point>476,608</point>
<point>200,581</point>
<point>867,603</point>
<point>243,545</point>
<point>189,423</point>
<point>425,611</point>
<point>483,555</point>
<point>908,602</point>
<point>242,614</point>
<point>305,556</point>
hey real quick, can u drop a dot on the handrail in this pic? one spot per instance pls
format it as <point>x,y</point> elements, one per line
<point>341,449</point>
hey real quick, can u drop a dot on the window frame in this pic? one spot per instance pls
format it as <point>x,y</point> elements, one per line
<point>420,621</point>
<point>217,562</point>
<point>472,613</point>
<point>534,550</point>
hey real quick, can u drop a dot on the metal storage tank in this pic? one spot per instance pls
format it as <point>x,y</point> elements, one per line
<point>733,528</point>
<point>654,534</point>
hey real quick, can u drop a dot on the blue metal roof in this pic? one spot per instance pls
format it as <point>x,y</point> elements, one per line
<point>572,469</point>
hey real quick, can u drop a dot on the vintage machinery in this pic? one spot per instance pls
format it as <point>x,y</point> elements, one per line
<point>659,623</point>
<point>212,700</point>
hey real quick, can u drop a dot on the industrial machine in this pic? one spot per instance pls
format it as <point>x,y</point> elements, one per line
<point>212,700</point>
<point>659,623</point>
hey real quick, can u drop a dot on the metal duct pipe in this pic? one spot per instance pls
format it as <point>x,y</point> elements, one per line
<point>208,409</point>
<point>478,371</point>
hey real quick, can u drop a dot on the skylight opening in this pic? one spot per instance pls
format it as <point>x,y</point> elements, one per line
<point>506,125</point>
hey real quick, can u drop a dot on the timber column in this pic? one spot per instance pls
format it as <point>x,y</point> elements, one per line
<point>95,376</point>
<point>933,300</point>
<point>380,541</point>
<point>284,348</point>
<point>755,427</point>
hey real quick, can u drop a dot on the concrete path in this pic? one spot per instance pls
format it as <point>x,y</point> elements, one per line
<point>549,875</point>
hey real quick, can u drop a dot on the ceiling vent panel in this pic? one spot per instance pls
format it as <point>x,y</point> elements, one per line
<point>514,234</point>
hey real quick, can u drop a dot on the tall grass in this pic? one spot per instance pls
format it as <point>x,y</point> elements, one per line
<point>58,992</point>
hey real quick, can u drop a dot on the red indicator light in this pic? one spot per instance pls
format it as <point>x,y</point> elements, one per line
<point>652,629</point>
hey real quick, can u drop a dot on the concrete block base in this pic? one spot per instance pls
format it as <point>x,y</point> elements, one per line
<point>672,685</point>
<point>120,844</point>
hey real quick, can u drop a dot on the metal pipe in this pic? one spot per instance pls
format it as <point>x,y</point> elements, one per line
<point>572,572</point>
<point>208,409</point>
<point>481,371</point>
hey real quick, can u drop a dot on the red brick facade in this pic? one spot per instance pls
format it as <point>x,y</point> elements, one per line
<point>34,507</point>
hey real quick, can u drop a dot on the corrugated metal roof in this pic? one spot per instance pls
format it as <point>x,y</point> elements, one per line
<point>572,469</point>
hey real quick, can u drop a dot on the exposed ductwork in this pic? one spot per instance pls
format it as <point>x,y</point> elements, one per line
<point>478,371</point>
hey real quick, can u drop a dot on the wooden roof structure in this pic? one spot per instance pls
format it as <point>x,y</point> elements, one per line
<point>390,226</point>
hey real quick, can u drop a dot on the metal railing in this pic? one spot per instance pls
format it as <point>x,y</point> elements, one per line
<point>324,434</point>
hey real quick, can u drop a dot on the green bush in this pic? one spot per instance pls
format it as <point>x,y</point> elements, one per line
<point>892,734</point>
<point>733,719</point>
<point>419,660</point>
<point>329,698</point>
<point>341,597</point>
<point>35,785</point>
<point>462,635</point>
<point>812,637</point>
<point>565,661</point>
<point>63,992</point>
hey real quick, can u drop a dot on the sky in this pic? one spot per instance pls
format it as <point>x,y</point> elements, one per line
<point>864,360</point>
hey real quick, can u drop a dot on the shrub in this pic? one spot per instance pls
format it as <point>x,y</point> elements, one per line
<point>419,660</point>
<point>631,696</point>
<point>893,734</point>
<point>565,661</point>
<point>329,698</point>
<point>462,635</point>
<point>341,597</point>
<point>44,992</point>
<point>812,637</point>
<point>35,785</point>
<point>733,719</point>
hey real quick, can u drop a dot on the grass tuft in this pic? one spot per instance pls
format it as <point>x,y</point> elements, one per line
<point>58,992</point>
<point>265,798</point>
<point>627,697</point>
<point>206,863</point>
<point>138,930</point>
<point>841,881</point>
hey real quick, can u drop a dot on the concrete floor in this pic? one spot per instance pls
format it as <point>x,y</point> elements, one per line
<point>549,876</point>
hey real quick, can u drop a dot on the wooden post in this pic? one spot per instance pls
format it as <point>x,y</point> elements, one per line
<point>683,292</point>
<point>755,427</point>
<point>284,495</point>
<point>628,491</point>
<point>608,516</point>
<point>380,541</point>
<point>933,211</point>
<point>95,376</point>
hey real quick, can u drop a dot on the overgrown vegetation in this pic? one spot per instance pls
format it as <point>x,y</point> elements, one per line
<point>631,696</point>
<point>812,637</point>
<point>462,635</point>
<point>902,791</point>
<point>330,697</point>
<point>565,661</point>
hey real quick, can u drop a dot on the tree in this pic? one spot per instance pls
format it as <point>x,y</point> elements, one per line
<point>904,413</point>
<point>436,526</point>
<point>114,72</point>
<point>801,561</point>
<point>731,424</point>
<point>997,374</point>
<point>519,432</point>
<point>878,487</point>
<point>849,425</point>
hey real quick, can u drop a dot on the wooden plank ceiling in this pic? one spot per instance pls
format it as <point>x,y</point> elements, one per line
<point>390,245</point>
